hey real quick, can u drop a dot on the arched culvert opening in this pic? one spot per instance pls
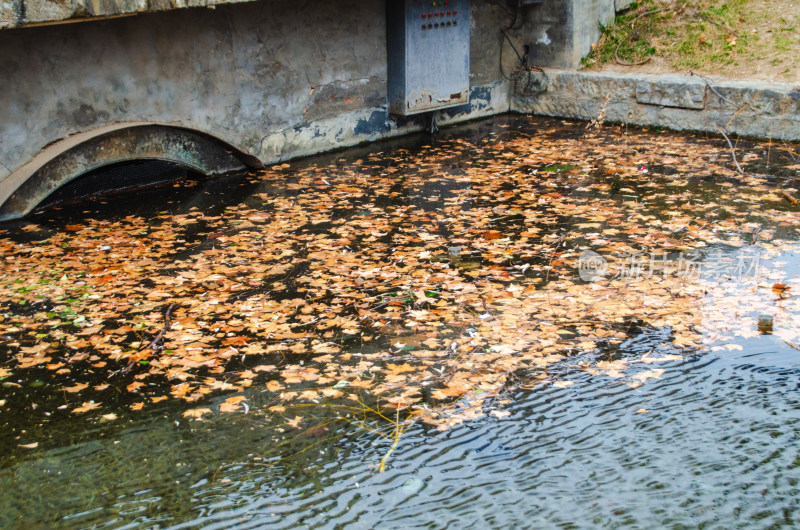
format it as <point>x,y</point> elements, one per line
<point>122,158</point>
<point>117,177</point>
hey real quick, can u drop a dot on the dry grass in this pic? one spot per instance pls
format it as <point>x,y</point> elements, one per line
<point>757,39</point>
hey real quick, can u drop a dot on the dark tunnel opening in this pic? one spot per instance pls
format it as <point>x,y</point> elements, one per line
<point>116,178</point>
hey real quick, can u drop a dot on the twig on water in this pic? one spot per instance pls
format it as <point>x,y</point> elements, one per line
<point>733,153</point>
<point>398,432</point>
<point>788,196</point>
<point>795,156</point>
<point>769,148</point>
<point>154,344</point>
<point>790,344</point>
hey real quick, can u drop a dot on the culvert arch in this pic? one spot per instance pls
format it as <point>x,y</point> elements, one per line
<point>86,153</point>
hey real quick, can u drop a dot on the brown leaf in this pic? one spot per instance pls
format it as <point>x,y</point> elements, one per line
<point>232,404</point>
<point>274,386</point>
<point>77,388</point>
<point>400,368</point>
<point>86,407</point>
<point>196,413</point>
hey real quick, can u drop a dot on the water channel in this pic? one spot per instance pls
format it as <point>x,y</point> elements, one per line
<point>705,435</point>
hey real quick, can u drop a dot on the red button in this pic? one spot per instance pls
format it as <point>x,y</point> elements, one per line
<point>436,14</point>
<point>455,12</point>
<point>442,13</point>
<point>448,12</point>
<point>424,15</point>
<point>445,2</point>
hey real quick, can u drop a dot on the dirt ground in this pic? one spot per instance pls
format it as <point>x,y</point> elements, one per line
<point>742,39</point>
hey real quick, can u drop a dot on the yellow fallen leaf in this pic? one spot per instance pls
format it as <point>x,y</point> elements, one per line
<point>500,414</point>
<point>86,407</point>
<point>274,386</point>
<point>231,404</point>
<point>400,368</point>
<point>77,388</point>
<point>563,384</point>
<point>196,413</point>
<point>137,406</point>
<point>295,422</point>
<point>34,445</point>
<point>642,411</point>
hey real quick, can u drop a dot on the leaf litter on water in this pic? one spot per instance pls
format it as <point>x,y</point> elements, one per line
<point>339,284</point>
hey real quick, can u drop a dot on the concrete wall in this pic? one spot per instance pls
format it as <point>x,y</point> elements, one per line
<point>269,79</point>
<point>274,79</point>
<point>19,13</point>
<point>560,32</point>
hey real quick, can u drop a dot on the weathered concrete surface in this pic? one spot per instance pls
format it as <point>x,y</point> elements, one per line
<point>766,110</point>
<point>18,13</point>
<point>560,32</point>
<point>140,142</point>
<point>682,93</point>
<point>272,79</point>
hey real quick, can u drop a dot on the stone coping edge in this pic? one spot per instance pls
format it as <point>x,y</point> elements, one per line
<point>679,102</point>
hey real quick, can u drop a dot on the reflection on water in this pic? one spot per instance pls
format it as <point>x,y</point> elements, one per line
<point>718,445</point>
<point>712,441</point>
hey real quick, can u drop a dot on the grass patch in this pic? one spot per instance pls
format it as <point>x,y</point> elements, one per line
<point>715,36</point>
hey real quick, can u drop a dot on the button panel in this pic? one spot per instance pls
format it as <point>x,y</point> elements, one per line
<point>439,19</point>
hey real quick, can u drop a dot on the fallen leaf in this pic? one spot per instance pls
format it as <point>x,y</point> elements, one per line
<point>196,413</point>
<point>231,404</point>
<point>86,407</point>
<point>650,374</point>
<point>295,422</point>
<point>274,386</point>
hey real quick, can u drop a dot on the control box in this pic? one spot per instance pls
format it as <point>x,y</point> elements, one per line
<point>428,54</point>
